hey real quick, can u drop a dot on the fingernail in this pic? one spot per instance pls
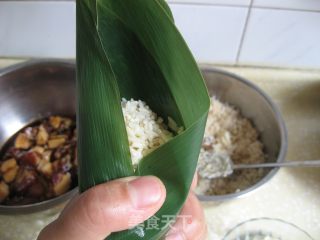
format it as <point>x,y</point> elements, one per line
<point>175,236</point>
<point>144,192</point>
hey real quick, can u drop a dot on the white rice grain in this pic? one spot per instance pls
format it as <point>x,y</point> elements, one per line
<point>146,131</point>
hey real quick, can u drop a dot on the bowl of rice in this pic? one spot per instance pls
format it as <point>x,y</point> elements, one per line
<point>267,229</point>
<point>243,125</point>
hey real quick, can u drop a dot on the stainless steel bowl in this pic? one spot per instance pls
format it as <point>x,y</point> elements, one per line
<point>35,89</point>
<point>258,107</point>
<point>30,91</point>
<point>265,228</point>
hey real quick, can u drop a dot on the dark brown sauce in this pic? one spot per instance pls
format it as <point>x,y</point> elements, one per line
<point>44,168</point>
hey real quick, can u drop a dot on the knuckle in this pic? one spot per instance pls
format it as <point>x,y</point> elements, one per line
<point>104,202</point>
<point>91,208</point>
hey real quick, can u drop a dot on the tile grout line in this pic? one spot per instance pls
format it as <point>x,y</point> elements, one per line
<point>237,5</point>
<point>244,32</point>
<point>286,9</point>
<point>207,4</point>
<point>274,67</point>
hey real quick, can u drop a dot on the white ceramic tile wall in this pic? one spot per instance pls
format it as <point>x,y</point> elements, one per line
<point>212,32</point>
<point>278,32</point>
<point>312,5</point>
<point>50,31</point>
<point>37,29</point>
<point>282,38</point>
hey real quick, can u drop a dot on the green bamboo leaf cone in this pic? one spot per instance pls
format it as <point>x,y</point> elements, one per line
<point>132,49</point>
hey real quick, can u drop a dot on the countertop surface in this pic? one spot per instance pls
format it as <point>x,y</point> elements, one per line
<point>293,194</point>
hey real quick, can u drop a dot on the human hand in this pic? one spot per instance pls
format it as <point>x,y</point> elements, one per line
<point>195,227</point>
<point>107,208</point>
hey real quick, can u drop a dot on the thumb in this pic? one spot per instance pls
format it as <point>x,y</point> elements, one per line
<point>106,208</point>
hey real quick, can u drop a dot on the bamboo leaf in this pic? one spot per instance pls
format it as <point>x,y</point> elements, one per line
<point>132,49</point>
<point>166,7</point>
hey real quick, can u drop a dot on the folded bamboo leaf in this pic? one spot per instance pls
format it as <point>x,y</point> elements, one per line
<point>132,49</point>
<point>166,8</point>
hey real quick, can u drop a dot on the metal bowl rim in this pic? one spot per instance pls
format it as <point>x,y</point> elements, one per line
<point>55,201</point>
<point>47,204</point>
<point>278,220</point>
<point>283,139</point>
<point>29,63</point>
<point>39,206</point>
